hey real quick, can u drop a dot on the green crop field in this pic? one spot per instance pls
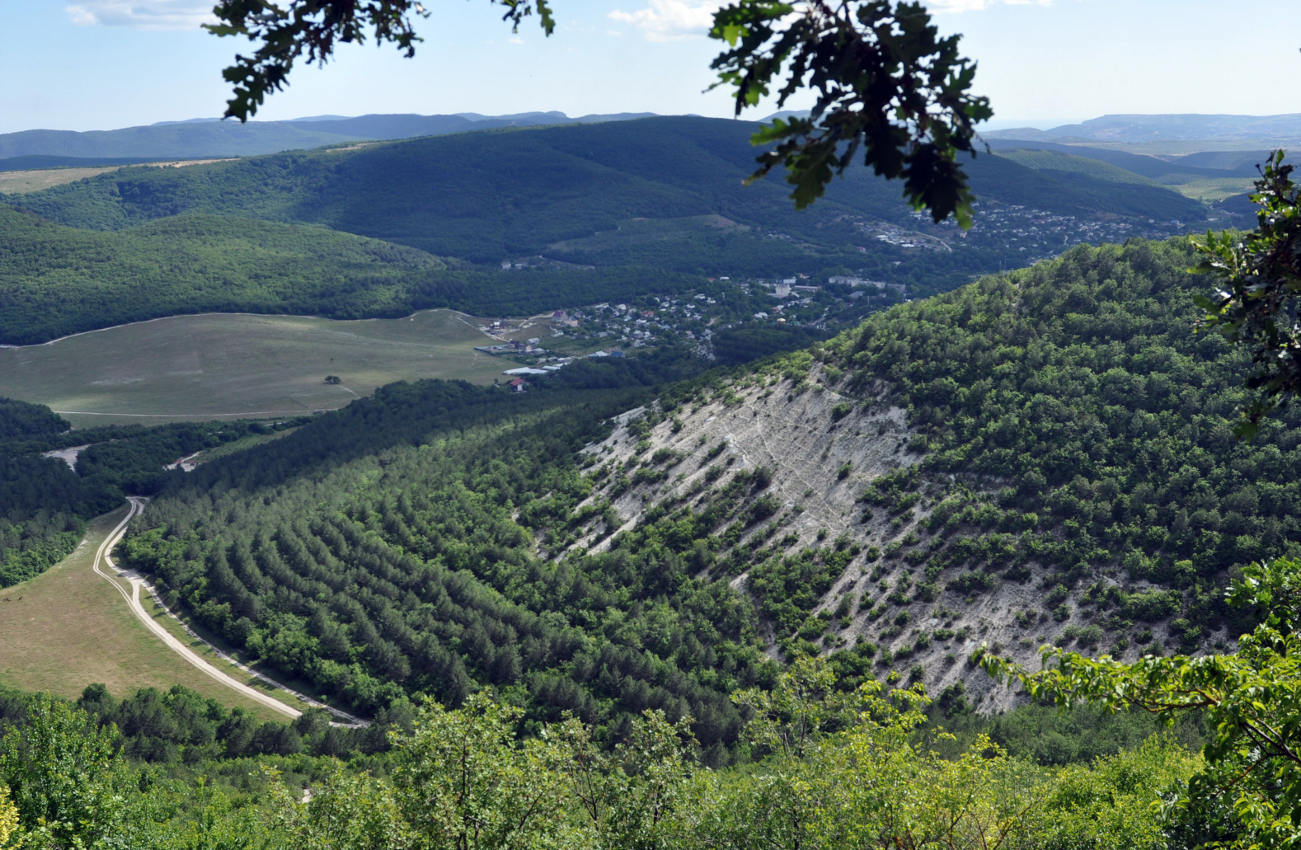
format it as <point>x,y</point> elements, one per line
<point>68,628</point>
<point>238,365</point>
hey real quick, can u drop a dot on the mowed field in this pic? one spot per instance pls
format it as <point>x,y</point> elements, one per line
<point>239,365</point>
<point>67,628</point>
<point>21,182</point>
<point>1214,188</point>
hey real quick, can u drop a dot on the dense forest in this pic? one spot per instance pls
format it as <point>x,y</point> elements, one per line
<point>44,503</point>
<point>1076,424</point>
<point>438,538</point>
<point>171,770</point>
<point>619,209</point>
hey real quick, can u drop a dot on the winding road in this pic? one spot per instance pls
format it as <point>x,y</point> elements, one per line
<point>135,581</point>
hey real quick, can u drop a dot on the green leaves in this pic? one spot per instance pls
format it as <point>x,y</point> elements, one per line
<point>885,84</point>
<point>1257,305</point>
<point>1252,702</point>
<point>66,776</point>
<point>310,29</point>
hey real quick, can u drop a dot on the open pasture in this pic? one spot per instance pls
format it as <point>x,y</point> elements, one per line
<point>238,365</point>
<point>23,182</point>
<point>67,628</point>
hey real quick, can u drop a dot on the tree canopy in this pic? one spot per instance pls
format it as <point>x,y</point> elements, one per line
<point>1252,701</point>
<point>1256,304</point>
<point>885,83</point>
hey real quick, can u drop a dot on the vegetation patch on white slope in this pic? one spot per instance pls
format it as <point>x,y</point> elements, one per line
<point>821,449</point>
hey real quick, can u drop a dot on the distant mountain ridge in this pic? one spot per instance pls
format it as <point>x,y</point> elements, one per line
<point>203,137</point>
<point>648,200</point>
<point>1139,129</point>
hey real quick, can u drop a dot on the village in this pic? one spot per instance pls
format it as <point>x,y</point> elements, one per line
<point>545,343</point>
<point>1019,233</point>
<point>1002,236</point>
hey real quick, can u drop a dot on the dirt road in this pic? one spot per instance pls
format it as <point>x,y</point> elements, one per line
<point>136,582</point>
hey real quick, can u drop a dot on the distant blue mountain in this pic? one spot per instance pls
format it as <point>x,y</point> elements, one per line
<point>1265,130</point>
<point>211,137</point>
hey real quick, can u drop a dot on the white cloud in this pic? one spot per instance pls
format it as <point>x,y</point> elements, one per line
<point>940,6</point>
<point>142,14</point>
<point>670,20</point>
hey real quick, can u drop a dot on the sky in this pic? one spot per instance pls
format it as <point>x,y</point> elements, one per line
<point>103,64</point>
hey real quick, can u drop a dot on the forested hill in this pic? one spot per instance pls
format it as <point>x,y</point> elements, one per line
<point>483,196</point>
<point>1079,436</point>
<point>204,138</point>
<point>56,280</point>
<point>600,212</point>
<point>1044,456</point>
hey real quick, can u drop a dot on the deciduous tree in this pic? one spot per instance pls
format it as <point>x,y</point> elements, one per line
<point>1257,304</point>
<point>1251,700</point>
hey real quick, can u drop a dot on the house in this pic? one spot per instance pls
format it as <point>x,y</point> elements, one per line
<point>518,384</point>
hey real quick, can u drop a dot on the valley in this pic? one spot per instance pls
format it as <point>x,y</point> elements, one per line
<point>69,627</point>
<point>226,366</point>
<point>559,446</point>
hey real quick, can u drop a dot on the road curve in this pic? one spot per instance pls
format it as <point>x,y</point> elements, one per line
<point>136,582</point>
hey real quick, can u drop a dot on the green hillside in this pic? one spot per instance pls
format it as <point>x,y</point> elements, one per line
<point>634,207</point>
<point>486,195</point>
<point>1062,163</point>
<point>1075,443</point>
<point>483,196</point>
<point>56,280</point>
<point>1080,434</point>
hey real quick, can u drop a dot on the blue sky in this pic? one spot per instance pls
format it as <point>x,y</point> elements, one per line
<point>100,64</point>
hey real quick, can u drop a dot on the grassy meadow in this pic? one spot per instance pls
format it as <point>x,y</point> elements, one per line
<point>68,628</point>
<point>238,365</point>
<point>1213,188</point>
<point>23,182</point>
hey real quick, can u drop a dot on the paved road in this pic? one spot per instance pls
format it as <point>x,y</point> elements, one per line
<point>136,582</point>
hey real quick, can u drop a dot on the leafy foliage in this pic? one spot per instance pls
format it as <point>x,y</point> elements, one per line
<point>8,819</point>
<point>66,777</point>
<point>308,29</point>
<point>866,773</point>
<point>1260,274</point>
<point>1251,698</point>
<point>885,83</point>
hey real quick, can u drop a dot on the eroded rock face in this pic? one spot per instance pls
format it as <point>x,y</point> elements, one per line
<point>820,449</point>
<point>792,433</point>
